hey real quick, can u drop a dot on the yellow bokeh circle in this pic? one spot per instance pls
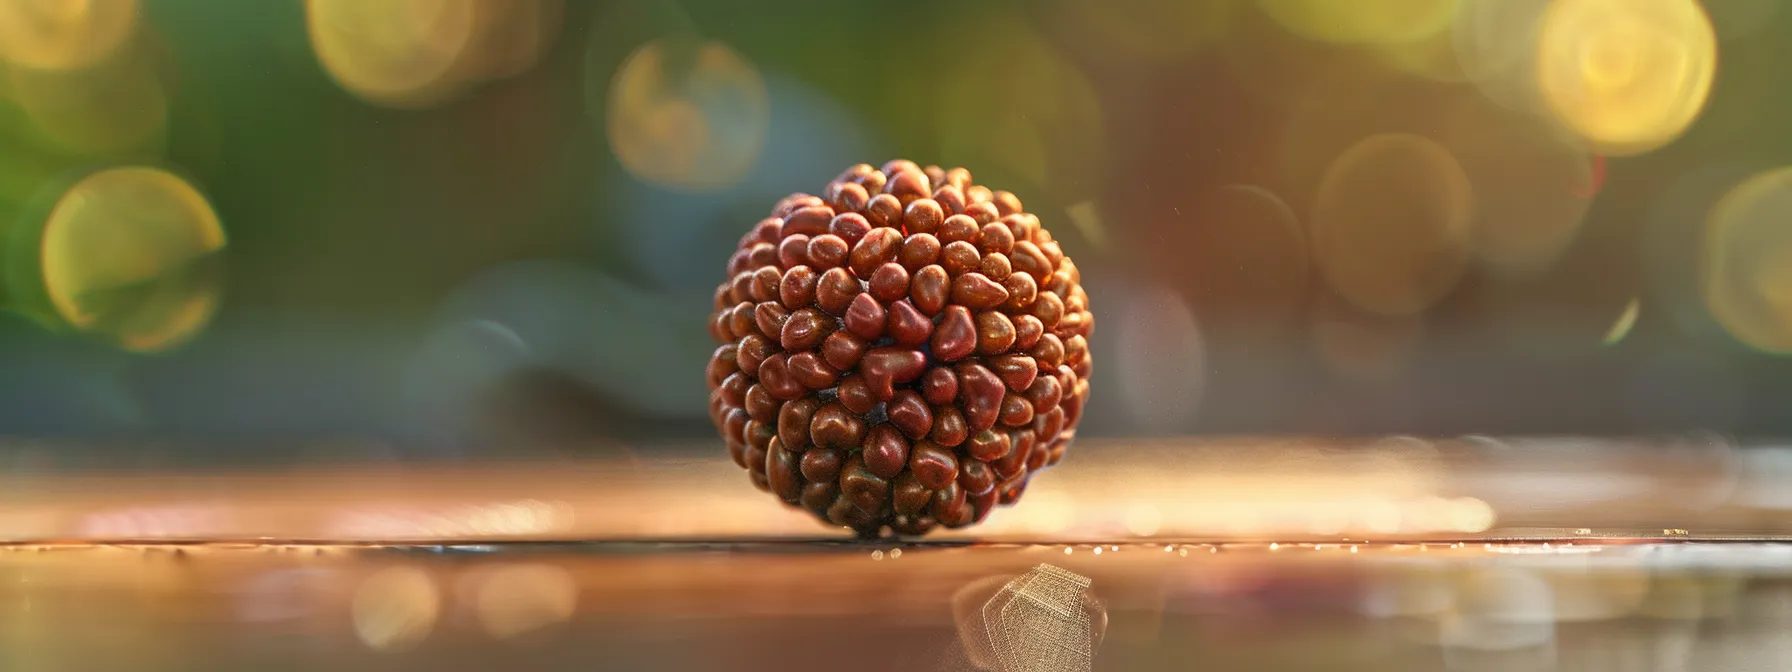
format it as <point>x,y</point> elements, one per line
<point>399,53</point>
<point>687,114</point>
<point>1628,76</point>
<point>64,34</point>
<point>1747,261</point>
<point>1390,224</point>
<point>128,253</point>
<point>1362,21</point>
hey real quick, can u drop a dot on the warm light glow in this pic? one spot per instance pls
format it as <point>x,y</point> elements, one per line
<point>1390,225</point>
<point>400,53</point>
<point>1059,141</point>
<point>687,114</point>
<point>1747,261</point>
<point>395,609</point>
<point>116,106</point>
<point>1629,76</point>
<point>64,34</point>
<point>520,599</point>
<point>1626,321</point>
<point>129,253</point>
<point>1363,21</point>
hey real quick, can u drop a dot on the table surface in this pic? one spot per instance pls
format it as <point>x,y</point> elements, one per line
<point>1247,554</point>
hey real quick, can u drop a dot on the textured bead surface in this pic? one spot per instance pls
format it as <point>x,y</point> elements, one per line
<point>901,353</point>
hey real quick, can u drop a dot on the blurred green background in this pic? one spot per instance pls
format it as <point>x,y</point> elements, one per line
<point>353,228</point>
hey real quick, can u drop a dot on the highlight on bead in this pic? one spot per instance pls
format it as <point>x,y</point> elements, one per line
<point>688,114</point>
<point>1628,76</point>
<point>130,254</point>
<point>903,352</point>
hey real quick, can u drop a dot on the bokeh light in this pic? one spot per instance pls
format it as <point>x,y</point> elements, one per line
<point>64,34</point>
<point>1021,112</point>
<point>400,53</point>
<point>419,53</point>
<point>688,114</point>
<point>130,253</point>
<point>119,105</point>
<point>395,609</point>
<point>1363,21</point>
<point>1149,30</point>
<point>1162,365</point>
<point>1495,42</point>
<point>1629,76</point>
<point>516,600</point>
<point>1747,261</point>
<point>1533,186</point>
<point>1390,224</point>
<point>1253,263</point>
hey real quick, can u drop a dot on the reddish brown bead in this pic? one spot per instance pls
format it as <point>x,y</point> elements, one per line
<point>940,386</point>
<point>899,353</point>
<point>1016,371</point>
<point>995,333</point>
<point>982,213</point>
<point>884,368</point>
<point>884,210</point>
<point>796,290</point>
<point>828,251</point>
<point>976,477</point>
<point>1016,411</point>
<point>959,258</point>
<point>821,464</point>
<point>803,330</point>
<point>933,465</point>
<point>849,227</point>
<point>835,290</point>
<point>834,426</point>
<point>760,404</point>
<point>907,326</point>
<point>793,422</point>
<point>980,395</point>
<point>855,394</point>
<point>996,238</point>
<point>906,186</point>
<point>949,428</point>
<point>955,337</point>
<point>1027,330</point>
<point>878,247</point>
<point>977,291</point>
<point>865,317</point>
<point>889,282</point>
<point>930,289</point>
<point>987,445</point>
<point>750,351</point>
<point>851,197</point>
<point>950,198</point>
<point>910,413</point>
<point>885,451</point>
<point>959,228</point>
<point>783,473</point>
<point>809,221</point>
<point>908,496</point>
<point>995,267</point>
<point>922,216</point>
<point>918,250</point>
<point>842,350</point>
<point>811,371</point>
<point>770,317</point>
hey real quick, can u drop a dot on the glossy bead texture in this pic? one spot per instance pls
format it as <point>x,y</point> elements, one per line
<point>901,353</point>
